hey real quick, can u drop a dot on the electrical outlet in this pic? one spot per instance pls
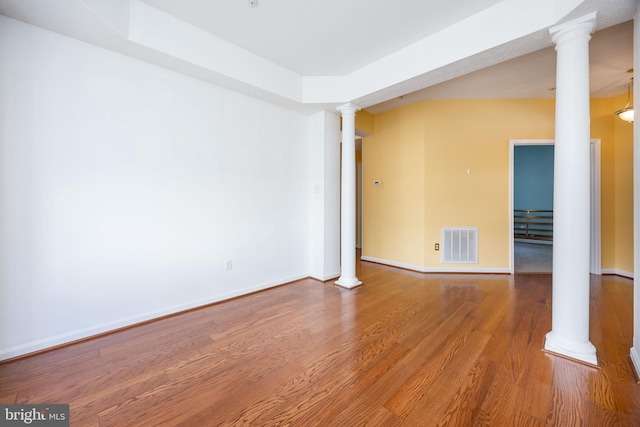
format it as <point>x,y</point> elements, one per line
<point>437,246</point>
<point>228,265</point>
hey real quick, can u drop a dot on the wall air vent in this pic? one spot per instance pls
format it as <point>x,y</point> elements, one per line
<point>459,245</point>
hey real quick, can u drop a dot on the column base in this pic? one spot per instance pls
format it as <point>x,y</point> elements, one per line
<point>348,283</point>
<point>635,358</point>
<point>583,352</point>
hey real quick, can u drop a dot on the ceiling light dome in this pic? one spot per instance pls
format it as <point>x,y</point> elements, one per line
<point>627,112</point>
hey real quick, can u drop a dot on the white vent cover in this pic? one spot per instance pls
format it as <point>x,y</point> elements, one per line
<point>459,245</point>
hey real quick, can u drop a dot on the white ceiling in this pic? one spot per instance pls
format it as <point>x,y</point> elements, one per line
<point>324,37</point>
<point>337,37</point>
<point>380,54</point>
<point>533,75</point>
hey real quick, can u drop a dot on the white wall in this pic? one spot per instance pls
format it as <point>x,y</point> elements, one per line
<point>324,166</point>
<point>124,187</point>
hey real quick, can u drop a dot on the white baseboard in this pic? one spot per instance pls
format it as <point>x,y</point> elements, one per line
<point>49,342</point>
<point>635,358</point>
<point>421,269</point>
<point>326,277</point>
<point>392,263</point>
<point>618,273</point>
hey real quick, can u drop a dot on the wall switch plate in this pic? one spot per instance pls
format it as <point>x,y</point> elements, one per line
<point>228,265</point>
<point>437,246</point>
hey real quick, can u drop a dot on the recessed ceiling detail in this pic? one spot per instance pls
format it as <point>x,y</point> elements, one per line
<point>316,55</point>
<point>323,37</point>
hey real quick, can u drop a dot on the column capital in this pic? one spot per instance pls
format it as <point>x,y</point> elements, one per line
<point>348,108</point>
<point>579,27</point>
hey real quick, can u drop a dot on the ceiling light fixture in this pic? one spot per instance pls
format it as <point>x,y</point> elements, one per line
<point>627,112</point>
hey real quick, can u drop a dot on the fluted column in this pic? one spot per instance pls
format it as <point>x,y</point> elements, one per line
<point>569,334</point>
<point>348,277</point>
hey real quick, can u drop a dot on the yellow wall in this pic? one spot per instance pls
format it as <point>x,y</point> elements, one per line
<point>421,153</point>
<point>479,144</point>
<point>393,224</point>
<point>623,192</point>
<point>364,121</point>
<point>616,183</point>
<point>602,126</point>
<point>364,126</point>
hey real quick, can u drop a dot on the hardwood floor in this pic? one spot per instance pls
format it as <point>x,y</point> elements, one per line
<point>405,349</point>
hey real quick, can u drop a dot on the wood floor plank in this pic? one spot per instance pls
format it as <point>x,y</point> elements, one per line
<point>445,387</point>
<point>364,385</point>
<point>87,408</point>
<point>405,349</point>
<point>321,379</point>
<point>570,394</point>
<point>522,362</point>
<point>464,407</point>
<point>404,400</point>
<point>8,398</point>
<point>374,396</point>
<point>498,405</point>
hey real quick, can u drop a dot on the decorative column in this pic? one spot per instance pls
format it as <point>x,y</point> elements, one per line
<point>569,334</point>
<point>348,277</point>
<point>635,350</point>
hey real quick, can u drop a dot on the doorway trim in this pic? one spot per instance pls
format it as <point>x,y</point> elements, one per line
<point>595,253</point>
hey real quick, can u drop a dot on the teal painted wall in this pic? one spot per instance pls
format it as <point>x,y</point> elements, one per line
<point>533,177</point>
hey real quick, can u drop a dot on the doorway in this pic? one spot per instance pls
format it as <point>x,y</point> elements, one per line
<point>595,242</point>
<point>533,208</point>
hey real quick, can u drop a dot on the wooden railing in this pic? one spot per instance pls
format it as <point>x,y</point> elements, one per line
<point>533,224</point>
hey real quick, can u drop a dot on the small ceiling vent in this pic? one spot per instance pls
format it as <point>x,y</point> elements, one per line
<point>459,245</point>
